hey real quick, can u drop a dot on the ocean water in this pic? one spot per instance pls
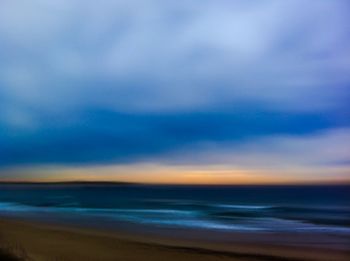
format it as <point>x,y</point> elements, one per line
<point>295,209</point>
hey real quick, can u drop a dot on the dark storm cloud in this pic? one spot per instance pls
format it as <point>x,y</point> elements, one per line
<point>100,136</point>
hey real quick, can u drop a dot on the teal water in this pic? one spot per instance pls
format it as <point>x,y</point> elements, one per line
<point>319,209</point>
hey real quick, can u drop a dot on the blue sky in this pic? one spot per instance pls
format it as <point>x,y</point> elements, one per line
<point>258,86</point>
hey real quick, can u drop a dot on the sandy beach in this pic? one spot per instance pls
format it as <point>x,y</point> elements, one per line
<point>35,241</point>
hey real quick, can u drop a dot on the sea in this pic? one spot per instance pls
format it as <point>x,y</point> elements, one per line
<point>293,209</point>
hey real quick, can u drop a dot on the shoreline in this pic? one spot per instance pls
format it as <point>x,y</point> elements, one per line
<point>50,240</point>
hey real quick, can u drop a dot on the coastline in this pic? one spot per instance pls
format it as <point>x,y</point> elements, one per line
<point>57,241</point>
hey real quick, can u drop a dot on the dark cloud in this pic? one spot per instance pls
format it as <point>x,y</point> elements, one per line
<point>100,136</point>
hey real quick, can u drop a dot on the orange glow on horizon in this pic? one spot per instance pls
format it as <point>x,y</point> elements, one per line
<point>160,174</point>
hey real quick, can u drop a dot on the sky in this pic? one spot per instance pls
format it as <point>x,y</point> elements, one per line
<point>161,91</point>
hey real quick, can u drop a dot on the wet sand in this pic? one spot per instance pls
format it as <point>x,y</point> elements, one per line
<point>37,241</point>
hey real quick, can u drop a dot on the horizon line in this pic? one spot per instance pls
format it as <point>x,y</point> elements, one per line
<point>87,182</point>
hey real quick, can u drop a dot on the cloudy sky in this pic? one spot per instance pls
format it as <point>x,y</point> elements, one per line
<point>197,91</point>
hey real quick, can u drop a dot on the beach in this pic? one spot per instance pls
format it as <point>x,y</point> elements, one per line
<point>174,130</point>
<point>38,241</point>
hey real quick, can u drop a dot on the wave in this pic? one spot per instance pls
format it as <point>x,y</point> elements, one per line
<point>242,207</point>
<point>223,217</point>
<point>9,206</point>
